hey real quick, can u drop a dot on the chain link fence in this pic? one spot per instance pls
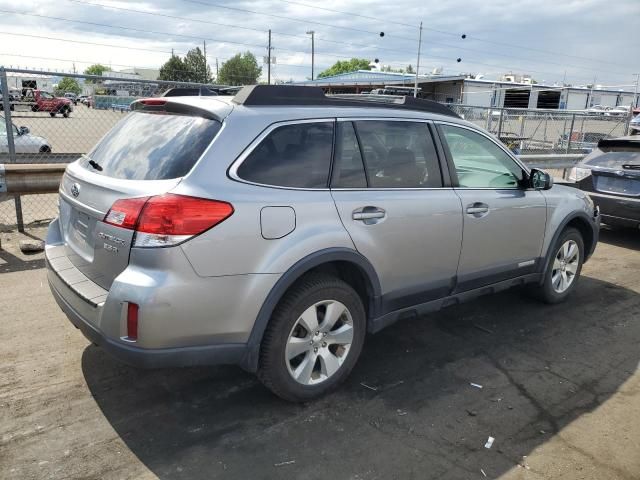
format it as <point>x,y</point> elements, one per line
<point>42,124</point>
<point>528,132</point>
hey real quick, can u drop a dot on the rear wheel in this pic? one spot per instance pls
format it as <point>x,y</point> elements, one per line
<point>313,340</point>
<point>53,114</point>
<point>563,270</point>
<point>45,149</point>
<point>65,112</point>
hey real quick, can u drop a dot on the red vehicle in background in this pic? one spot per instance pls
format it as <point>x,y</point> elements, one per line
<point>40,101</point>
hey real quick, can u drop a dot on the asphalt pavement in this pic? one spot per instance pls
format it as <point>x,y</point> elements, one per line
<point>560,394</point>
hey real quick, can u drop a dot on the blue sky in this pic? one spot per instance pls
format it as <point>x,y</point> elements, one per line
<point>551,40</point>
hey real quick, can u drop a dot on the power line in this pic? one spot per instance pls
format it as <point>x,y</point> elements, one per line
<point>175,17</point>
<point>223,41</point>
<point>280,33</point>
<point>388,21</point>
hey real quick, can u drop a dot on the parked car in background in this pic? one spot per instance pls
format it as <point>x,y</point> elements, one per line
<point>597,110</point>
<point>40,101</point>
<point>335,217</point>
<point>23,141</point>
<point>610,174</point>
<point>12,101</point>
<point>619,111</point>
<point>634,126</point>
<point>72,96</point>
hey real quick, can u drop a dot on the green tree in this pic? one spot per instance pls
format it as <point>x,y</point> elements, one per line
<point>345,66</point>
<point>95,69</point>
<point>410,69</point>
<point>241,69</point>
<point>196,64</point>
<point>174,70</point>
<point>68,84</point>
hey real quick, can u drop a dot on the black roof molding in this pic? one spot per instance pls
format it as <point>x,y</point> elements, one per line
<point>297,95</point>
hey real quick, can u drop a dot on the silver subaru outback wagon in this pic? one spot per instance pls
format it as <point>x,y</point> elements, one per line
<point>274,229</point>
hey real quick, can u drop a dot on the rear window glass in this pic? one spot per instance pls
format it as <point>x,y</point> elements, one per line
<point>613,159</point>
<point>297,155</point>
<point>152,146</point>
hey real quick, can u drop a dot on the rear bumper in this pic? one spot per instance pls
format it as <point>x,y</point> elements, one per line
<point>143,357</point>
<point>184,319</point>
<point>617,209</point>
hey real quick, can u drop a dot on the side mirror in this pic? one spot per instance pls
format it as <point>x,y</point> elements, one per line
<point>23,131</point>
<point>540,180</point>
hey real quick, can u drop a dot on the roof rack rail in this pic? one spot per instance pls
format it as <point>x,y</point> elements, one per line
<point>297,95</point>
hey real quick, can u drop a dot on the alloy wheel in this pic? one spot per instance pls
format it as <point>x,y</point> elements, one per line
<point>565,266</point>
<point>319,342</point>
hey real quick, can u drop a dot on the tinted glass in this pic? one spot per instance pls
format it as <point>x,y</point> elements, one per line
<point>151,146</point>
<point>479,162</point>
<point>348,169</point>
<point>399,154</point>
<point>614,158</point>
<point>296,155</point>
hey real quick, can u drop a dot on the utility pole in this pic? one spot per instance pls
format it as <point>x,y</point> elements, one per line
<point>312,33</point>
<point>415,85</point>
<point>635,91</point>
<point>204,46</point>
<point>217,70</point>
<point>591,93</point>
<point>269,60</point>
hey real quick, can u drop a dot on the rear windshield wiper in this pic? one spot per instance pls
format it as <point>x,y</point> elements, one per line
<point>95,165</point>
<point>631,167</point>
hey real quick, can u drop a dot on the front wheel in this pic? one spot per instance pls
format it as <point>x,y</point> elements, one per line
<point>563,269</point>
<point>313,340</point>
<point>65,112</point>
<point>53,114</point>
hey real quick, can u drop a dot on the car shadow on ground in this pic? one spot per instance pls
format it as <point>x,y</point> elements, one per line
<point>408,410</point>
<point>621,237</point>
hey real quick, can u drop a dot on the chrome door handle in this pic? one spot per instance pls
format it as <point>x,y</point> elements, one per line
<point>368,215</point>
<point>478,209</point>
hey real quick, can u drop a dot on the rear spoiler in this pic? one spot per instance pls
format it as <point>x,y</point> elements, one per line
<point>163,105</point>
<point>619,144</point>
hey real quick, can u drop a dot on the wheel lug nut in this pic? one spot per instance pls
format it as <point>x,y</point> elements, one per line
<point>315,349</point>
<point>324,334</point>
<point>317,333</point>
<point>311,342</point>
<point>324,344</point>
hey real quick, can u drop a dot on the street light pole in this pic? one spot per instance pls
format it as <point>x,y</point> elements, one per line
<point>312,33</point>
<point>415,85</point>
<point>635,91</point>
<point>269,60</point>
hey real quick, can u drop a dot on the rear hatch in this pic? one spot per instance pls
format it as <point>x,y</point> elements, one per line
<point>615,167</point>
<point>146,154</point>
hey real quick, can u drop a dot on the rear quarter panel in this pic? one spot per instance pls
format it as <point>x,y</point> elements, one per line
<point>237,246</point>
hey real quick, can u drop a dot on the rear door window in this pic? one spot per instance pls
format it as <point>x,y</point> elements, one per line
<point>399,154</point>
<point>152,146</point>
<point>295,155</point>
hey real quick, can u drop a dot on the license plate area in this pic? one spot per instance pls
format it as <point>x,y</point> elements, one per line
<point>619,186</point>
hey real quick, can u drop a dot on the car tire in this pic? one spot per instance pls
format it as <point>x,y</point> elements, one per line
<point>45,149</point>
<point>65,112</point>
<point>299,364</point>
<point>53,114</point>
<point>563,268</point>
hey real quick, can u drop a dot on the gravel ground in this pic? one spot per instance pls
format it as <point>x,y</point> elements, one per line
<point>561,394</point>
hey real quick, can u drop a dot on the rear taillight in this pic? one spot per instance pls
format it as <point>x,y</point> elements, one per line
<point>124,213</point>
<point>168,219</point>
